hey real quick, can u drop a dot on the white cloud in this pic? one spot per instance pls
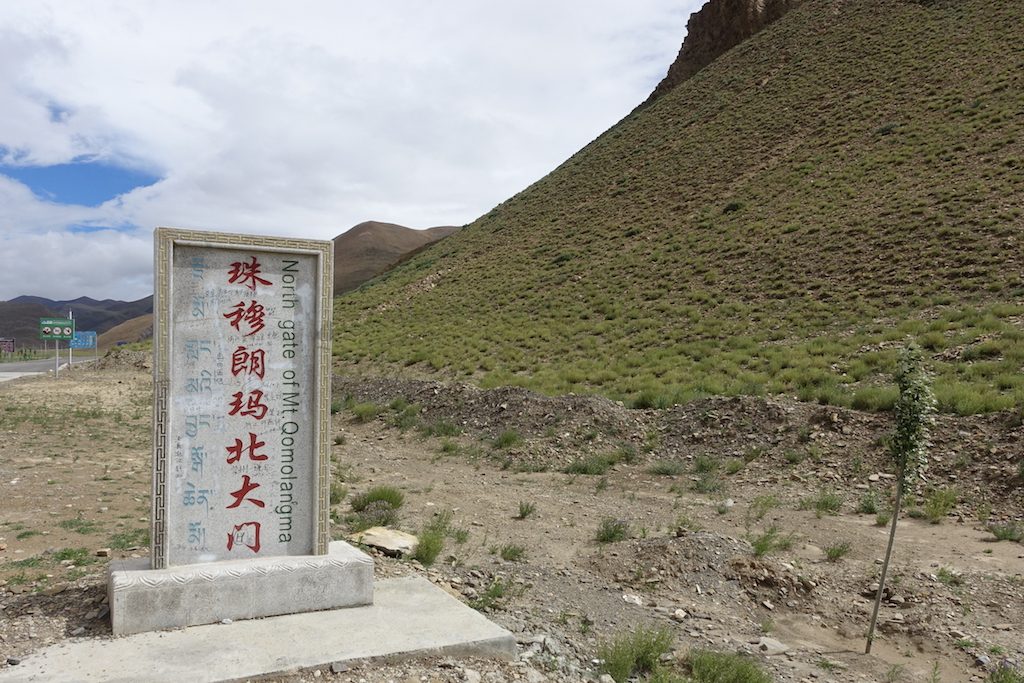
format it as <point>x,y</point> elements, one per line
<point>301,119</point>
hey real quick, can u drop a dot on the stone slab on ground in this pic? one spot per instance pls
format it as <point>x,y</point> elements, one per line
<point>410,616</point>
<point>143,599</point>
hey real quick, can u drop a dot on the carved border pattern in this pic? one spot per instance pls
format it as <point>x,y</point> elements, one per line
<point>164,241</point>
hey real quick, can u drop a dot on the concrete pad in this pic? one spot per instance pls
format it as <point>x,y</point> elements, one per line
<point>143,599</point>
<point>410,616</point>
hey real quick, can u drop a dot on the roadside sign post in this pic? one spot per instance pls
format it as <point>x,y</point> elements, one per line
<point>56,329</point>
<point>84,340</point>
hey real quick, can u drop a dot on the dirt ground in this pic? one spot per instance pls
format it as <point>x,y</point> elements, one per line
<point>695,485</point>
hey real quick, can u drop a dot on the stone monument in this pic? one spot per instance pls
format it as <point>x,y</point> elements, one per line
<point>241,365</point>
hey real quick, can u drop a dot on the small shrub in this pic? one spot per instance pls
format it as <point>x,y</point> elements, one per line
<point>708,482</point>
<point>508,439</point>
<point>703,464</point>
<point>407,418</point>
<point>429,545</point>
<point>387,494</point>
<point>339,440</point>
<point>592,465</point>
<point>1006,673</point>
<point>510,552</point>
<point>440,428</point>
<point>938,503</point>
<point>667,468</point>
<point>612,530</point>
<point>495,593</point>
<point>335,407</point>
<point>707,666</point>
<point>526,509</point>
<point>364,412</point>
<point>1011,531</point>
<point>949,577</point>
<point>883,517</point>
<point>733,465</point>
<point>376,513</point>
<point>794,457</point>
<point>868,504</point>
<point>826,502</point>
<point>837,550</point>
<point>760,506</point>
<point>635,653</point>
<point>771,540</point>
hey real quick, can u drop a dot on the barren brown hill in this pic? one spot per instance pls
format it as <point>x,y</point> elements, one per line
<point>370,248</point>
<point>134,330</point>
<point>19,320</point>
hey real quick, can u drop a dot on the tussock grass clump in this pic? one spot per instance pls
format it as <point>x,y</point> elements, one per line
<point>526,508</point>
<point>512,552</point>
<point>592,465</point>
<point>707,666</point>
<point>635,653</point>
<point>938,503</point>
<point>825,503</point>
<point>386,494</point>
<point>508,439</point>
<point>770,541</point>
<point>429,545</point>
<point>612,530</point>
<point>364,412</point>
<point>1010,531</point>
<point>837,550</point>
<point>667,468</point>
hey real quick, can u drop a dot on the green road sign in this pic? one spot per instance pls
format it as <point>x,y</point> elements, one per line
<point>56,328</point>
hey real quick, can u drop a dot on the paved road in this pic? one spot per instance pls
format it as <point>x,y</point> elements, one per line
<point>32,367</point>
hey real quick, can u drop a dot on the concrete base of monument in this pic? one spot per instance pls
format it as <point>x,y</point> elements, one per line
<point>409,617</point>
<point>143,599</point>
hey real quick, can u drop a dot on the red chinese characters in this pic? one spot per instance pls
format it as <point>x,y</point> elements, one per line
<point>250,362</point>
<point>253,406</point>
<point>252,315</point>
<point>247,318</point>
<point>246,274</point>
<point>247,534</point>
<point>244,490</point>
<point>239,449</point>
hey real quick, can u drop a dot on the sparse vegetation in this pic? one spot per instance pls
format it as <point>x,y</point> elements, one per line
<point>508,439</point>
<point>526,509</point>
<point>385,494</point>
<point>635,653</point>
<point>612,530</point>
<point>429,544</point>
<point>364,412</point>
<point>707,666</point>
<point>938,503</point>
<point>771,540</point>
<point>512,552</point>
<point>825,503</point>
<point>837,550</point>
<point>667,468</point>
<point>1009,531</point>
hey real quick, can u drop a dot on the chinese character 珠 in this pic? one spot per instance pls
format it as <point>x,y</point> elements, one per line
<point>247,273</point>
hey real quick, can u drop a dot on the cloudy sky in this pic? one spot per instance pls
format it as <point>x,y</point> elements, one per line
<point>291,119</point>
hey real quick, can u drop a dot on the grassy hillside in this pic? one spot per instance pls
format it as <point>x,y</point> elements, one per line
<point>779,223</point>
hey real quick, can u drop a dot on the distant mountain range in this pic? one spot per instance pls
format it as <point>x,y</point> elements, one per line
<point>19,317</point>
<point>360,254</point>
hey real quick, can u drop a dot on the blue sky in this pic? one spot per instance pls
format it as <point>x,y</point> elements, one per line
<point>249,116</point>
<point>86,183</point>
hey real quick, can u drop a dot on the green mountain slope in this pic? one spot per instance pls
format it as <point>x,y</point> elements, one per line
<point>778,223</point>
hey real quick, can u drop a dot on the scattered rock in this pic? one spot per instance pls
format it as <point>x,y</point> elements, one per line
<point>390,541</point>
<point>770,646</point>
<point>103,552</point>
